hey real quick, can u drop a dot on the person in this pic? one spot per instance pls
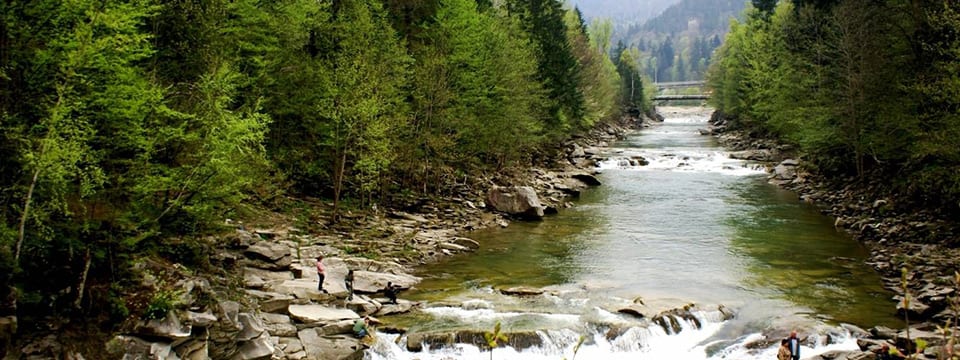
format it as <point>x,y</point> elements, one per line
<point>887,353</point>
<point>391,292</point>
<point>348,282</point>
<point>793,343</point>
<point>321,273</point>
<point>784,352</point>
<point>360,327</point>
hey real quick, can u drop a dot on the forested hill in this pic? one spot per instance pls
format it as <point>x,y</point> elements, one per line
<point>866,90</point>
<point>676,45</point>
<point>624,13</point>
<point>127,126</point>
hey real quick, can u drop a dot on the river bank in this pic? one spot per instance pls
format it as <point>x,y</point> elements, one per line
<point>258,296</point>
<point>913,249</point>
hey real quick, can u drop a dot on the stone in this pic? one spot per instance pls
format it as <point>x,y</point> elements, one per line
<point>319,313</point>
<point>268,251</point>
<point>307,289</point>
<point>134,348</point>
<point>203,319</point>
<point>251,327</point>
<point>290,345</point>
<point>169,327</point>
<point>588,179</point>
<point>401,307</point>
<point>271,302</point>
<point>783,172</point>
<point>466,242</point>
<point>337,328</point>
<point>634,310</point>
<point>521,201</point>
<point>521,291</point>
<point>260,348</point>
<point>193,349</point>
<point>341,347</point>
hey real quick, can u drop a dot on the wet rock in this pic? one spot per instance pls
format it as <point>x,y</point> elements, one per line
<point>401,307</point>
<point>636,310</point>
<point>588,179</point>
<point>522,291</point>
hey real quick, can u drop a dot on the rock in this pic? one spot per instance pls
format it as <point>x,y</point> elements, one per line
<point>290,345</point>
<point>522,291</point>
<point>790,162</point>
<point>319,313</point>
<point>340,347</point>
<point>373,282</point>
<point>755,155</point>
<point>278,325</point>
<point>268,251</point>
<point>271,302</point>
<point>169,328</point>
<point>203,319</point>
<point>635,310</point>
<point>588,179</point>
<point>406,216</point>
<point>260,348</point>
<point>307,288</point>
<point>134,348</point>
<point>337,328</point>
<point>783,172</point>
<point>362,305</point>
<point>705,131</point>
<point>883,332</point>
<point>577,151</point>
<point>917,309</point>
<point>251,327</point>
<point>842,355</point>
<point>193,349</point>
<point>402,306</point>
<point>467,242</point>
<point>521,201</point>
<point>516,340</point>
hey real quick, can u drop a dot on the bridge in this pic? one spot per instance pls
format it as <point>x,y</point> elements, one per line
<point>679,85</point>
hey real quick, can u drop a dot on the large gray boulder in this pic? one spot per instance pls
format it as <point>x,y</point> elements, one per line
<point>260,348</point>
<point>372,282</point>
<point>169,328</point>
<point>520,201</point>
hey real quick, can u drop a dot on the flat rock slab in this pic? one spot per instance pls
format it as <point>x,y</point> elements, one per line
<point>320,313</point>
<point>307,288</point>
<point>372,282</point>
<point>330,347</point>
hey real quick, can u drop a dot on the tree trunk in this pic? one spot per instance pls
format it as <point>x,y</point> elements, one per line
<point>23,217</point>
<point>338,175</point>
<point>81,286</point>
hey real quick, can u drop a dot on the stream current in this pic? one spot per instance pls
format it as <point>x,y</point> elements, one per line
<point>692,226</point>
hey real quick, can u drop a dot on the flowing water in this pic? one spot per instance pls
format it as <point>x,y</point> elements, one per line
<point>692,226</point>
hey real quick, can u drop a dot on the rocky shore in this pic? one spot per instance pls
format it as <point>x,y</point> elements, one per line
<point>914,250</point>
<point>262,300</point>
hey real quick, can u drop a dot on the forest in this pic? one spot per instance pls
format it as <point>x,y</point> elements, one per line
<point>129,125</point>
<point>864,90</point>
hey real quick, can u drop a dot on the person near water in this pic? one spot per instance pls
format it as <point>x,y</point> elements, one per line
<point>391,292</point>
<point>321,273</point>
<point>784,352</point>
<point>348,282</point>
<point>360,327</point>
<point>793,343</point>
<point>887,353</point>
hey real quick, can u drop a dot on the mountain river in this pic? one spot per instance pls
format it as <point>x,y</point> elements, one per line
<point>692,226</point>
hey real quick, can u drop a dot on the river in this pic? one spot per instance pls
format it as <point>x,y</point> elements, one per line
<point>692,226</point>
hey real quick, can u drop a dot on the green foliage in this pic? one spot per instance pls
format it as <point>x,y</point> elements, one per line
<point>494,338</point>
<point>160,304</point>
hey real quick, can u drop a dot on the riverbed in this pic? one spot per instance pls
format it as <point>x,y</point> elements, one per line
<point>690,226</point>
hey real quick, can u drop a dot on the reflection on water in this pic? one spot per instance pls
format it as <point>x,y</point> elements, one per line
<point>694,227</point>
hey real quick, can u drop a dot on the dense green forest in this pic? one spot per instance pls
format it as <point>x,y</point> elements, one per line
<point>866,89</point>
<point>127,124</point>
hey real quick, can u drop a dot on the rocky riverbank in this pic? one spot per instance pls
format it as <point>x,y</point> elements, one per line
<point>913,249</point>
<point>260,299</point>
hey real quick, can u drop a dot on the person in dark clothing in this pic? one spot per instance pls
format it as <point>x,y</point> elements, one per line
<point>794,344</point>
<point>348,282</point>
<point>321,273</point>
<point>391,292</point>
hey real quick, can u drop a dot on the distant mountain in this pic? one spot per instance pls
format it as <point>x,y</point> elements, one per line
<point>677,44</point>
<point>624,13</point>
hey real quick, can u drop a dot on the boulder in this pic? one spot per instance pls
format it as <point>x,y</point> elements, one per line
<point>337,328</point>
<point>260,348</point>
<point>134,348</point>
<point>169,328</point>
<point>271,302</point>
<point>588,179</point>
<point>307,288</point>
<point>203,319</point>
<point>341,347</point>
<point>634,310</point>
<point>278,325</point>
<point>193,349</point>
<point>402,306</point>
<point>251,327</point>
<point>521,201</point>
<point>783,172</point>
<point>267,251</point>
<point>521,291</point>
<point>319,313</point>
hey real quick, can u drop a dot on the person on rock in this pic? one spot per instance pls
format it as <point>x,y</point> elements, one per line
<point>887,353</point>
<point>793,343</point>
<point>348,282</point>
<point>783,353</point>
<point>321,273</point>
<point>391,292</point>
<point>361,327</point>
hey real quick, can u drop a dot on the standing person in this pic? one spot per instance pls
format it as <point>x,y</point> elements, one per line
<point>321,273</point>
<point>793,343</point>
<point>784,352</point>
<point>348,282</point>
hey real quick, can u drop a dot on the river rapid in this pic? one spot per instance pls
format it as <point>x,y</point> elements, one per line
<point>692,226</point>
